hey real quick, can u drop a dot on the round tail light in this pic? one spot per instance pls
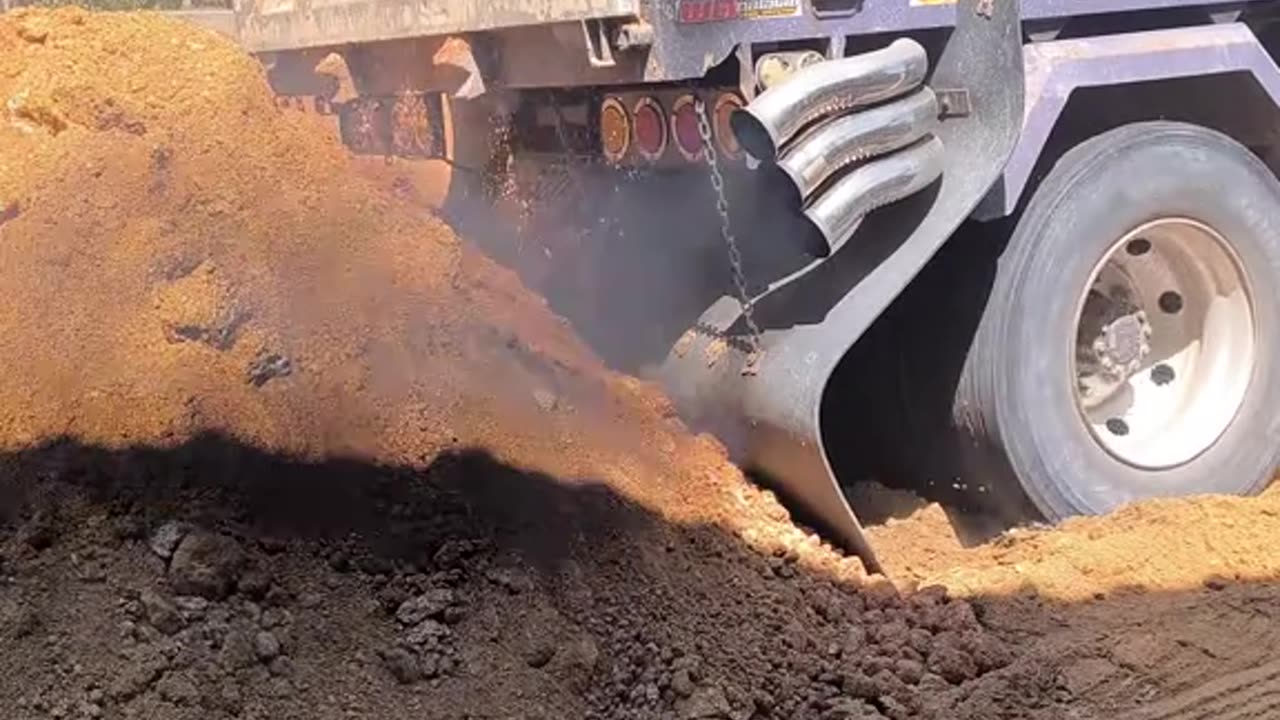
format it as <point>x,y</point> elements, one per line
<point>726,104</point>
<point>684,126</point>
<point>649,128</point>
<point>615,130</point>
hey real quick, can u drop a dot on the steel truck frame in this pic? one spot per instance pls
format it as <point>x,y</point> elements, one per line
<point>1103,168</point>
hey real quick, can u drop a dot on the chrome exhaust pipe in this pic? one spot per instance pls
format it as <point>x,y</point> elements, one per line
<point>834,145</point>
<point>770,121</point>
<point>839,211</point>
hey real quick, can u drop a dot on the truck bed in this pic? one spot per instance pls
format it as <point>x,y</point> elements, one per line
<point>267,25</point>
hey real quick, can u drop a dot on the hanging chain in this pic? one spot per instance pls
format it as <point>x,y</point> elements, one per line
<point>576,183</point>
<point>570,157</point>
<point>726,234</point>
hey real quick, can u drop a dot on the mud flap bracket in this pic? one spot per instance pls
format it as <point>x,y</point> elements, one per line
<point>771,421</point>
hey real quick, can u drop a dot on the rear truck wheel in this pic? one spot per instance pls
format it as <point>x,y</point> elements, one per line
<point>1128,348</point>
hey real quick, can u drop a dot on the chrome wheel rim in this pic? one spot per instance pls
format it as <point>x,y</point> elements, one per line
<point>1165,344</point>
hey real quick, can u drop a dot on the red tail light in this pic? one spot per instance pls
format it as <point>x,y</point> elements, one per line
<point>684,126</point>
<point>726,103</point>
<point>649,128</point>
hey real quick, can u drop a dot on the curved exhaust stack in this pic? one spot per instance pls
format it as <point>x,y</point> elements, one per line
<point>834,145</point>
<point>839,211</point>
<point>772,120</point>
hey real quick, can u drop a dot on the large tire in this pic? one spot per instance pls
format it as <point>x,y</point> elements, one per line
<point>1017,398</point>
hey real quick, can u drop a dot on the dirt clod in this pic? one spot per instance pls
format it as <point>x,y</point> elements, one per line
<point>266,366</point>
<point>431,603</point>
<point>237,651</point>
<point>951,662</point>
<point>160,612</point>
<point>709,702</point>
<point>427,633</point>
<point>266,646</point>
<point>166,538</point>
<point>254,583</point>
<point>205,564</point>
<point>281,666</point>
<point>403,665</point>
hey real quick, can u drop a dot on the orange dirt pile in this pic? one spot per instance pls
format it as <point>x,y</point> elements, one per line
<point>1164,609</point>
<point>182,257</point>
<point>1166,545</point>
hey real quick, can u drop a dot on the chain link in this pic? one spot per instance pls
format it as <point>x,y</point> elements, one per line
<point>739,274</point>
<point>562,135</point>
<point>722,209</point>
<point>578,185</point>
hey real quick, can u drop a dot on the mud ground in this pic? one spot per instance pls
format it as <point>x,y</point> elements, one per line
<point>275,444</point>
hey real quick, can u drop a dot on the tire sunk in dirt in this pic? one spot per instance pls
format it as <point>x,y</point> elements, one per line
<point>1128,349</point>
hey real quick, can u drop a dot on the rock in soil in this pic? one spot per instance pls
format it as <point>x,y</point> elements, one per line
<point>206,565</point>
<point>431,603</point>
<point>166,538</point>
<point>427,632</point>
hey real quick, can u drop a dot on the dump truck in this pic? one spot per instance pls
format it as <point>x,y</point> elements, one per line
<point>1025,254</point>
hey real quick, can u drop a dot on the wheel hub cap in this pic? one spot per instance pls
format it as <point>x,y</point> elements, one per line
<point>1123,344</point>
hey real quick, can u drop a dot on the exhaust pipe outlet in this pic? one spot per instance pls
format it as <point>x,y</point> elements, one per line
<point>827,88</point>
<point>839,211</point>
<point>829,148</point>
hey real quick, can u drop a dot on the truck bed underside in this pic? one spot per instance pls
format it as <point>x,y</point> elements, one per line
<point>269,25</point>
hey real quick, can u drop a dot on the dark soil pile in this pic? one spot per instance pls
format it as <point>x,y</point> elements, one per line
<point>216,581</point>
